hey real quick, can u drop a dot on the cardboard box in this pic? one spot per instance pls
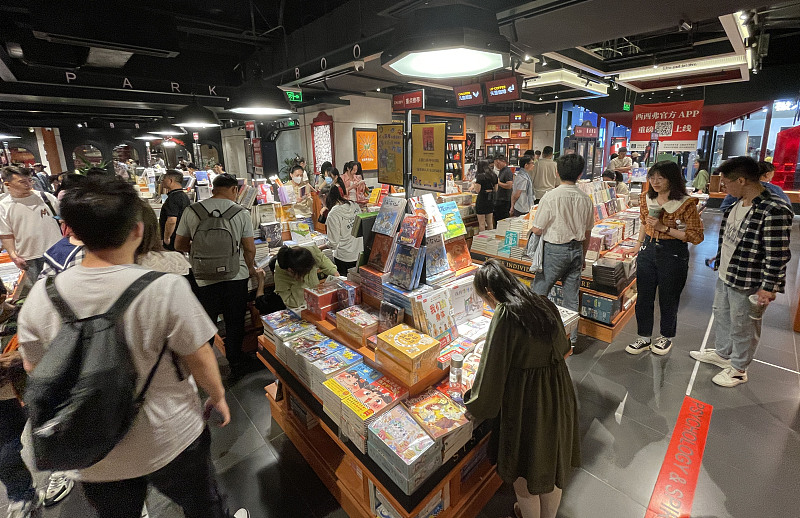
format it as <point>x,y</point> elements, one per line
<point>411,349</point>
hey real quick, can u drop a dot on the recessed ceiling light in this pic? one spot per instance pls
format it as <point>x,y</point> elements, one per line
<point>540,98</point>
<point>679,87</point>
<point>556,97</point>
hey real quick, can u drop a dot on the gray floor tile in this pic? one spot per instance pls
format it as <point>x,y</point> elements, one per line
<point>239,438</point>
<point>588,496</point>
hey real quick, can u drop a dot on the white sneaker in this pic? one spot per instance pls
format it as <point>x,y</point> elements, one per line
<point>638,347</point>
<point>242,513</point>
<point>24,508</point>
<point>58,488</point>
<point>730,377</point>
<point>710,356</point>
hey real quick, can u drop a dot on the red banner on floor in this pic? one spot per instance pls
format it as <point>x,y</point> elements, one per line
<point>674,492</point>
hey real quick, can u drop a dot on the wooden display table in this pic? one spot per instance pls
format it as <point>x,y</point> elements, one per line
<point>466,482</point>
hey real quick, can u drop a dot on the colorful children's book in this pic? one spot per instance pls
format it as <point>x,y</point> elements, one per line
<point>405,260</point>
<point>425,205</point>
<point>402,434</point>
<point>452,220</point>
<point>321,350</point>
<point>337,361</point>
<point>418,266</point>
<point>412,230</point>
<point>390,215</point>
<point>410,348</point>
<point>437,413</point>
<point>437,311</point>
<point>380,394</point>
<point>383,248</point>
<point>458,253</point>
<point>357,377</point>
<point>436,257</point>
<point>280,318</point>
<point>467,304</point>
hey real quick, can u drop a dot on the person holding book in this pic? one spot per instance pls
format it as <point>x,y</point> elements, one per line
<point>485,185</point>
<point>523,378</point>
<point>297,268</point>
<point>342,214</point>
<point>669,222</point>
<point>321,179</point>
<point>303,205</point>
<point>355,188</point>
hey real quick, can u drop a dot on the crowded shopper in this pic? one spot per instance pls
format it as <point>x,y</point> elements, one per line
<point>168,443</point>
<point>485,185</point>
<point>297,268</point>
<point>172,209</point>
<point>28,221</point>
<point>545,177</point>
<point>564,220</point>
<point>622,163</point>
<point>505,186</point>
<point>41,180</point>
<point>218,235</point>
<point>342,214</point>
<point>767,173</point>
<point>152,253</point>
<point>323,175</point>
<point>523,381</point>
<point>303,204</point>
<point>68,251</point>
<point>523,195</point>
<point>669,222</point>
<point>701,177</point>
<point>615,177</point>
<point>752,254</point>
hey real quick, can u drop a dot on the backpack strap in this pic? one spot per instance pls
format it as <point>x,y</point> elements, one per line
<point>132,291</point>
<point>64,310</point>
<point>232,211</point>
<point>139,401</point>
<point>202,215</point>
<point>46,200</point>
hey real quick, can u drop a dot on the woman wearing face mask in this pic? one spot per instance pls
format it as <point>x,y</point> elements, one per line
<point>297,268</point>
<point>669,222</point>
<point>303,205</point>
<point>321,178</point>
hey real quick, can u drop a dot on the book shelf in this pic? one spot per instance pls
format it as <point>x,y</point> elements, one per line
<point>517,135</point>
<point>466,482</point>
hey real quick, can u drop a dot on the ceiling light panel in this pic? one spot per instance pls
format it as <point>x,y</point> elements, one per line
<point>444,63</point>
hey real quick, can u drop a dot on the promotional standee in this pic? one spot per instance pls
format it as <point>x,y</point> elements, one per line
<point>428,157</point>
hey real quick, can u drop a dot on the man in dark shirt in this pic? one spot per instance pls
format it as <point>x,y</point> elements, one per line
<point>172,209</point>
<point>505,184</point>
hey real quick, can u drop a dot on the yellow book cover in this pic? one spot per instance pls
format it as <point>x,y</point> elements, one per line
<point>361,411</point>
<point>336,388</point>
<point>410,348</point>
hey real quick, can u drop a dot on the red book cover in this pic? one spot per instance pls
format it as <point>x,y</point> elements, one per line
<point>458,253</point>
<point>381,252</point>
<point>412,230</point>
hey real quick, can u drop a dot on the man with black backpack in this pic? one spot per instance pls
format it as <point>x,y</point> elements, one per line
<point>115,353</point>
<point>218,235</point>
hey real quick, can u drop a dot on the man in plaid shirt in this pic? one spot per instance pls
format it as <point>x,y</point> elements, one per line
<point>752,256</point>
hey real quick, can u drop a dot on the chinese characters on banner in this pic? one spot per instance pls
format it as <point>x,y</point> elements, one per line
<point>428,156</point>
<point>390,154</point>
<point>676,124</point>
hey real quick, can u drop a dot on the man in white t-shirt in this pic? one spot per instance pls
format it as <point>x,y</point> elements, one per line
<point>168,444</point>
<point>523,195</point>
<point>228,297</point>
<point>622,163</point>
<point>28,224</point>
<point>564,219</point>
<point>545,177</point>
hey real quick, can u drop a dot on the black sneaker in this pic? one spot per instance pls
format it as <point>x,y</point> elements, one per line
<point>639,346</point>
<point>661,346</point>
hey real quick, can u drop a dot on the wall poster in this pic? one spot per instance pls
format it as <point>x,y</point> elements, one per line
<point>365,143</point>
<point>428,156</point>
<point>391,157</point>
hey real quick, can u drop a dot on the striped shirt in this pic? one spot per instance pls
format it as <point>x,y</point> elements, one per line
<point>761,256</point>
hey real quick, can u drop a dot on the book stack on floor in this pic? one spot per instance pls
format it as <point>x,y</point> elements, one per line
<point>402,448</point>
<point>358,322</point>
<point>443,419</point>
<point>364,405</point>
<point>406,354</point>
<point>302,413</point>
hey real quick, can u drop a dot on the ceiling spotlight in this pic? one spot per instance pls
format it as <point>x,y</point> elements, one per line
<point>165,127</point>
<point>540,98</point>
<point>377,89</point>
<point>544,61</point>
<point>685,26</point>
<point>260,100</point>
<point>614,85</point>
<point>527,58</point>
<point>31,130</point>
<point>556,97</point>
<point>743,15</point>
<point>679,87</point>
<point>80,125</point>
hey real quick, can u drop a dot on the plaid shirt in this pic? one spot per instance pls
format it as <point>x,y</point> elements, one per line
<point>761,256</point>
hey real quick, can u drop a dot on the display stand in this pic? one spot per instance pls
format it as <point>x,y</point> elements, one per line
<point>465,483</point>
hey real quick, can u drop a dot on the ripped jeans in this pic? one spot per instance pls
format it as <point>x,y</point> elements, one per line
<point>661,266</point>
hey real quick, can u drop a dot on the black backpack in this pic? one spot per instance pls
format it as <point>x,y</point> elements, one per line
<point>82,396</point>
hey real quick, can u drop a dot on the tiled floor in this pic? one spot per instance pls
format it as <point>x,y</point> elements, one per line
<point>628,408</point>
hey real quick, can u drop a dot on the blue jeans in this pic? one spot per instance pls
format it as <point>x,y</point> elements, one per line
<point>14,474</point>
<point>737,333</point>
<point>561,263</point>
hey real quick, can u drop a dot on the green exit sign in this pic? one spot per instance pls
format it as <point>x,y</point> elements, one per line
<point>294,97</point>
<point>291,122</point>
<point>626,106</point>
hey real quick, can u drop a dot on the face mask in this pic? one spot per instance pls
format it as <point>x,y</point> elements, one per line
<point>297,180</point>
<point>328,180</point>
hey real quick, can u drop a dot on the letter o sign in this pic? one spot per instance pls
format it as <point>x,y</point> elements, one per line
<point>323,63</point>
<point>297,73</point>
<point>356,51</point>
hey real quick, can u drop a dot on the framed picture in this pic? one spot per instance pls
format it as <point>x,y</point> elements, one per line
<point>365,148</point>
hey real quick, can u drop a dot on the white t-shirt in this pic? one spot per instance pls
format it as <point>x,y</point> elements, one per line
<point>620,162</point>
<point>734,231</point>
<point>242,223</point>
<point>341,219</point>
<point>565,214</point>
<point>31,223</point>
<point>171,417</point>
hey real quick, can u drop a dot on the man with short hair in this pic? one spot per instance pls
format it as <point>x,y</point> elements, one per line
<point>537,154</point>
<point>168,444</point>
<point>545,177</point>
<point>564,220</point>
<point>228,297</point>
<point>622,163</point>
<point>523,195</point>
<point>752,255</point>
<point>505,185</point>
<point>172,209</point>
<point>41,178</point>
<point>28,221</point>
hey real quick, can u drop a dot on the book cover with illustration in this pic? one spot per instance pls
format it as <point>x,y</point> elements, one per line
<point>402,434</point>
<point>408,347</point>
<point>294,329</point>
<point>425,205</point>
<point>412,230</point>
<point>436,257</point>
<point>380,394</point>
<point>437,310</point>
<point>419,263</point>
<point>280,318</point>
<point>467,304</point>
<point>321,350</point>
<point>357,377</point>
<point>403,268</point>
<point>337,361</point>
<point>382,252</point>
<point>390,316</point>
<point>390,215</point>
<point>272,234</point>
<point>452,220</point>
<point>306,341</point>
<point>436,413</point>
<point>458,253</point>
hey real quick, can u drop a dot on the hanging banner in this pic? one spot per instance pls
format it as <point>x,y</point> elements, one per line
<point>390,154</point>
<point>428,156</point>
<point>677,126</point>
<point>364,142</point>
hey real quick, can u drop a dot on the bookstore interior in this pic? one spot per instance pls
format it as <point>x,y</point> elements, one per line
<point>366,377</point>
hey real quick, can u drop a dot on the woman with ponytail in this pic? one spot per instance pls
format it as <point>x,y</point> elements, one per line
<point>523,380</point>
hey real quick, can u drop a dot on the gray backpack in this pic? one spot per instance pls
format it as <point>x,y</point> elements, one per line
<point>215,247</point>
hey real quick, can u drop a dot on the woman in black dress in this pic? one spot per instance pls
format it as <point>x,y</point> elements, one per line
<point>485,185</point>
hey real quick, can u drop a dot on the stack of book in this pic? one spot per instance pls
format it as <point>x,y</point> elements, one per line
<point>322,299</point>
<point>570,319</point>
<point>352,379</point>
<point>399,445</point>
<point>302,413</point>
<point>406,354</point>
<point>486,242</point>
<point>609,275</point>
<point>475,329</point>
<point>385,230</point>
<point>460,345</point>
<point>437,267</point>
<point>358,322</point>
<point>433,313</point>
<point>331,365</point>
<point>363,406</point>
<point>287,353</point>
<point>277,320</point>
<point>349,294</point>
<point>307,353</point>
<point>443,419</point>
<point>403,298</point>
<point>372,281</point>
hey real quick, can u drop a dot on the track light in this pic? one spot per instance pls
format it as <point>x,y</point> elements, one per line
<point>556,97</point>
<point>544,61</point>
